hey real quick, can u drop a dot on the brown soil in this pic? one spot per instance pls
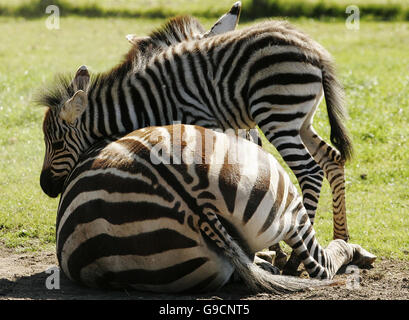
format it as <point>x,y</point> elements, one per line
<point>23,276</point>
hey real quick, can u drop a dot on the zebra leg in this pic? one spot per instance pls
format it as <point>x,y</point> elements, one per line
<point>281,258</point>
<point>256,278</point>
<point>311,187</point>
<point>309,175</point>
<point>308,172</point>
<point>323,263</point>
<point>330,160</point>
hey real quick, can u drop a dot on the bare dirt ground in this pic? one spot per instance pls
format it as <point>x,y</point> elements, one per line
<point>23,276</point>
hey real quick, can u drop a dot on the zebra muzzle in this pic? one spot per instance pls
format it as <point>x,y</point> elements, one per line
<point>51,186</point>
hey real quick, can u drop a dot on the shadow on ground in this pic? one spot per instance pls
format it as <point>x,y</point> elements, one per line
<point>34,287</point>
<point>24,276</point>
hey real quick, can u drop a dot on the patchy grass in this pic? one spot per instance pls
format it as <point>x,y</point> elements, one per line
<point>372,64</point>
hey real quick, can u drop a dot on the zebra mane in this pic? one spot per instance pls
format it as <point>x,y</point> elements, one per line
<point>176,30</point>
<point>60,90</point>
<point>52,96</point>
<point>172,32</point>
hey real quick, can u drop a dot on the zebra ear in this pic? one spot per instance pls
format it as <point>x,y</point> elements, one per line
<point>74,107</point>
<point>81,79</point>
<point>134,39</point>
<point>227,22</point>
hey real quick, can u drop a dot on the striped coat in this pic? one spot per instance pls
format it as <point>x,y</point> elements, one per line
<point>179,208</point>
<point>269,74</point>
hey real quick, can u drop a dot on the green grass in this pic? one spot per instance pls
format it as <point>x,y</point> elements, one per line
<point>118,8</point>
<point>370,9</point>
<point>372,64</point>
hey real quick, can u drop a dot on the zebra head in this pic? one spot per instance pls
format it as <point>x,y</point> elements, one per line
<point>65,135</point>
<point>62,135</point>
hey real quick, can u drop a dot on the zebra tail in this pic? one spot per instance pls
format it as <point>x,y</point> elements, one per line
<point>256,278</point>
<point>334,98</point>
<point>259,280</point>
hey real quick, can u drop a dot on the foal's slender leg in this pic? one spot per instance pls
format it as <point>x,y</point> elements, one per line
<point>323,263</point>
<point>330,160</point>
<point>309,175</point>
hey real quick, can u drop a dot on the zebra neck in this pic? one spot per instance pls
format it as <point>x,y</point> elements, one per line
<point>114,108</point>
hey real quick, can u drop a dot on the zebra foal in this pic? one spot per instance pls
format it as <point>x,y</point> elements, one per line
<point>179,208</point>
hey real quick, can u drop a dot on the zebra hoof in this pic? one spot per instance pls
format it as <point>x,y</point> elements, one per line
<point>266,266</point>
<point>362,258</point>
<point>268,256</point>
<point>291,271</point>
<point>280,260</point>
<point>291,267</point>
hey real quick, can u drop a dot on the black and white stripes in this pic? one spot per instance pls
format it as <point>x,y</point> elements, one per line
<point>269,74</point>
<point>130,217</point>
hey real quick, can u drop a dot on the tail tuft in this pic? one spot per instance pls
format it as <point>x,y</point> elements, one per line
<point>259,280</point>
<point>334,98</point>
<point>256,278</point>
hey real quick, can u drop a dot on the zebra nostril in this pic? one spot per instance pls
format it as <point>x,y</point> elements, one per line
<point>45,181</point>
<point>50,185</point>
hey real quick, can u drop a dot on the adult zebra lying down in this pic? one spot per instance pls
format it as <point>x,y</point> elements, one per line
<point>179,208</point>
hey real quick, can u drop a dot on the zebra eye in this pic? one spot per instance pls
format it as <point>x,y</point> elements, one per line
<point>58,145</point>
